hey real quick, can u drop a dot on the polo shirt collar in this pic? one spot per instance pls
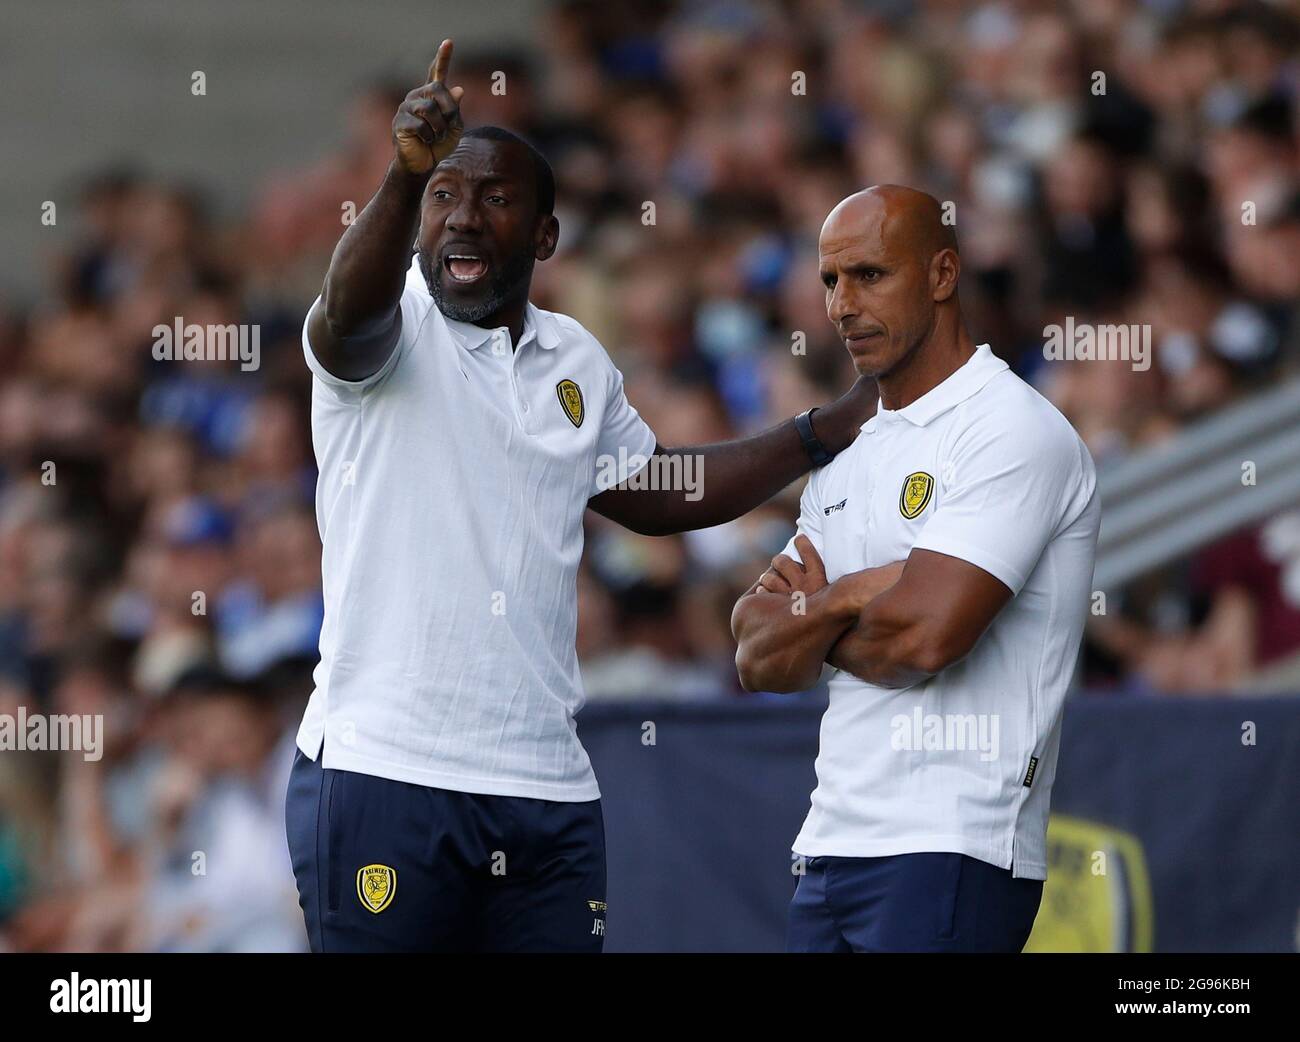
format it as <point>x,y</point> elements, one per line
<point>974,373</point>
<point>537,327</point>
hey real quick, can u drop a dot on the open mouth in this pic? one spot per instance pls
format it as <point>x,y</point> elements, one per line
<point>465,267</point>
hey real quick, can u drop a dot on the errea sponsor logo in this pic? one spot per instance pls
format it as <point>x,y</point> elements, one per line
<point>598,922</point>
<point>93,995</point>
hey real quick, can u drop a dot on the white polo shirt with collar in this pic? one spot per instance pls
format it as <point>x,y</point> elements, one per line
<point>985,469</point>
<point>450,501</point>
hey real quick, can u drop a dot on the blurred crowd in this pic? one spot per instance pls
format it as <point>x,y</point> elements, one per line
<point>159,557</point>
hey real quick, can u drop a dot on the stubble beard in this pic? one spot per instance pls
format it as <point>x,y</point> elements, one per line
<point>505,286</point>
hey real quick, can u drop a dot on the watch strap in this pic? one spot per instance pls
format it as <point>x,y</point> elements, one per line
<point>817,452</point>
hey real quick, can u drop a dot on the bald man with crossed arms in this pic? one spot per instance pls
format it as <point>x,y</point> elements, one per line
<point>941,568</point>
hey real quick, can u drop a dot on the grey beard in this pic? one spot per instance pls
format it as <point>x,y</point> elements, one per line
<point>505,285</point>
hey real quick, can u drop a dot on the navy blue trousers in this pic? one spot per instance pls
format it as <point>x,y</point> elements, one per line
<point>386,866</point>
<point>930,902</point>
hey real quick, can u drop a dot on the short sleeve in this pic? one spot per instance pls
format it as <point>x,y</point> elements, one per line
<point>1008,488</point>
<point>414,306</point>
<point>625,443</point>
<point>810,519</point>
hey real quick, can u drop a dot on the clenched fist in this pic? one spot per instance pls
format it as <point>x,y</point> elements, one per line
<point>428,124</point>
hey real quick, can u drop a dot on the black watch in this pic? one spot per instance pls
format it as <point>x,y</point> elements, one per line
<point>817,452</point>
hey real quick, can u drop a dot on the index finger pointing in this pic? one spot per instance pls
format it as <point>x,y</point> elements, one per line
<point>441,61</point>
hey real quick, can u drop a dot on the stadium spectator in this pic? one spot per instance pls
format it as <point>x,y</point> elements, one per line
<point>691,183</point>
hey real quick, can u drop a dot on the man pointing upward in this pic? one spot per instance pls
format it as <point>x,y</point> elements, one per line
<point>441,799</point>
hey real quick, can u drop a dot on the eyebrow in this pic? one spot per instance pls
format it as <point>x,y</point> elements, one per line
<point>859,265</point>
<point>493,177</point>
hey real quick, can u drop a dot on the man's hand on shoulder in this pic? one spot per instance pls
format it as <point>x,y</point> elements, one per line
<point>838,423</point>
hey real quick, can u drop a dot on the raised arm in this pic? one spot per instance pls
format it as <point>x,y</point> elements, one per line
<point>737,476</point>
<point>356,326</point>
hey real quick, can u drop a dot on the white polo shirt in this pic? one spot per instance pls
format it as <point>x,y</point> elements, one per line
<point>450,501</point>
<point>981,468</point>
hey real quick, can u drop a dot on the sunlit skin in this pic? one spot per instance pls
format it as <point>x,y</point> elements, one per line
<point>481,203</point>
<point>890,268</point>
<point>470,206</point>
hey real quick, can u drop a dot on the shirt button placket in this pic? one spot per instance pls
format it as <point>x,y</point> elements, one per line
<point>520,400</point>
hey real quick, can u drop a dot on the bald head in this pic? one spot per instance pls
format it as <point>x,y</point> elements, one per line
<point>901,218</point>
<point>890,267</point>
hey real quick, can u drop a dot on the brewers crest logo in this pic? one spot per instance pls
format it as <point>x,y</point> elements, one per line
<point>915,497</point>
<point>376,885</point>
<point>570,395</point>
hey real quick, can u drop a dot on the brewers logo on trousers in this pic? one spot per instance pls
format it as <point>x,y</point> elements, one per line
<point>376,885</point>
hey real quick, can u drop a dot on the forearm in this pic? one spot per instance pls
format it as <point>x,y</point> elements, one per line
<point>368,269</point>
<point>732,478</point>
<point>358,323</point>
<point>886,645</point>
<point>783,639</point>
<point>930,617</point>
<point>741,475</point>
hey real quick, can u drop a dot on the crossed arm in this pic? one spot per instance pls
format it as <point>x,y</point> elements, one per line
<point>892,626</point>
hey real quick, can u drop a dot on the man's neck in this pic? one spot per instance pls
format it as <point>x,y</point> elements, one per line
<point>936,359</point>
<point>511,316</point>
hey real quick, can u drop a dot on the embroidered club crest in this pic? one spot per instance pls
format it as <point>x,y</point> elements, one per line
<point>376,885</point>
<point>570,395</point>
<point>916,493</point>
